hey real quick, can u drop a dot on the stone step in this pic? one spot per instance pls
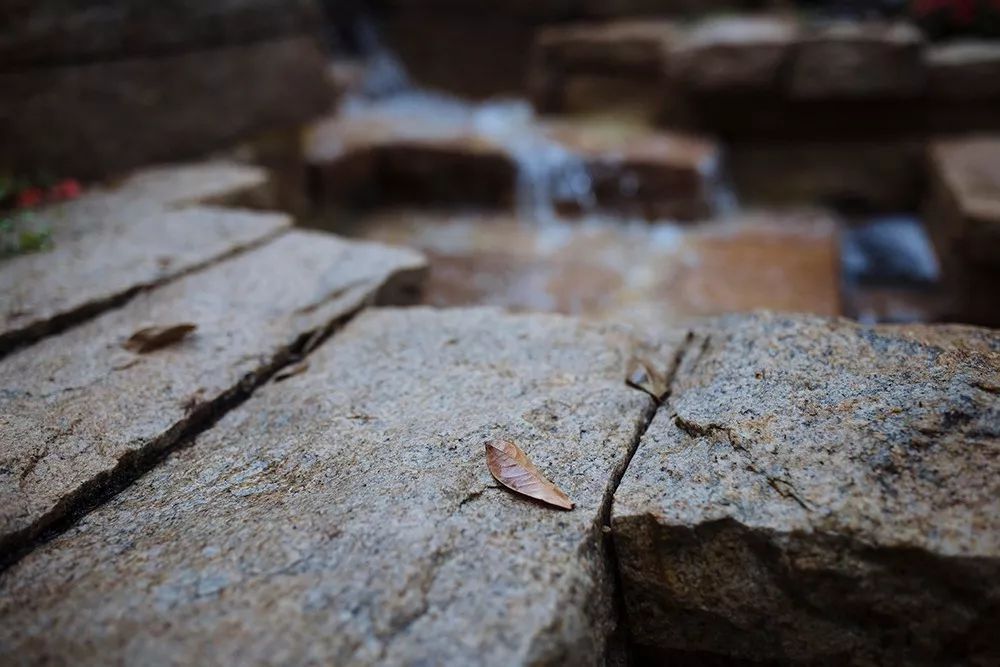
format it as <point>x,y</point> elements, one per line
<point>423,149</point>
<point>963,214</point>
<point>778,76</point>
<point>346,515</point>
<point>653,277</point>
<point>819,492</point>
<point>81,414</point>
<point>114,242</point>
<point>481,48</point>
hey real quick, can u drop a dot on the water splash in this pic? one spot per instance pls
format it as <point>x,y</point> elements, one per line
<point>548,174</point>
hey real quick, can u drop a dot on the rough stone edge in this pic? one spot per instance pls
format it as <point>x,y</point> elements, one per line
<point>618,645</point>
<point>768,547</point>
<point>399,288</point>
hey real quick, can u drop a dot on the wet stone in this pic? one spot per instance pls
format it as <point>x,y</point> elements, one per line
<point>79,410</point>
<point>346,515</point>
<point>422,149</point>
<point>653,277</point>
<point>820,492</point>
<point>112,243</point>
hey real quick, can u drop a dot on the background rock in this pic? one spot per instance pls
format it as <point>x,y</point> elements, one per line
<point>94,119</point>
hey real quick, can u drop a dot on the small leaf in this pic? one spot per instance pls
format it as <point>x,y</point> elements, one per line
<point>512,468</point>
<point>151,339</point>
<point>641,376</point>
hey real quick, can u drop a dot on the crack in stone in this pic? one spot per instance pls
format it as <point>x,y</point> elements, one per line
<point>138,461</point>
<point>19,338</point>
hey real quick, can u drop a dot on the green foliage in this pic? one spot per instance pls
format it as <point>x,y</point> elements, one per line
<point>17,239</point>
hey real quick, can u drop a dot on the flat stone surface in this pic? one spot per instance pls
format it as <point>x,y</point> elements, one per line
<point>346,515</point>
<point>650,276</point>
<point>97,119</point>
<point>218,182</point>
<point>858,60</point>
<point>966,69</point>
<point>111,243</point>
<point>818,491</point>
<point>422,148</point>
<point>78,409</point>
<point>734,54</point>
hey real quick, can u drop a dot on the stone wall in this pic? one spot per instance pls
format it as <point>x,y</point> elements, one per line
<point>91,91</point>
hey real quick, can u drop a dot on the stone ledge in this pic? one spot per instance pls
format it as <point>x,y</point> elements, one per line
<point>115,242</point>
<point>346,515</point>
<point>81,413</point>
<point>816,491</point>
<point>471,155</point>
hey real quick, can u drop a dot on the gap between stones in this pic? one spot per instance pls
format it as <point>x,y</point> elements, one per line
<point>133,465</point>
<point>620,642</point>
<point>57,324</point>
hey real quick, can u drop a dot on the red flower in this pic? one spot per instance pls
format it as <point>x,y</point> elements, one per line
<point>65,189</point>
<point>30,197</point>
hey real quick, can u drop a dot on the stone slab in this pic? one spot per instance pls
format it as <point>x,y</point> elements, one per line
<point>95,119</point>
<point>737,53</point>
<point>82,276</point>
<point>78,409</point>
<point>963,216</point>
<point>426,149</point>
<point>114,242</point>
<point>969,170</point>
<point>652,277</point>
<point>213,182</point>
<point>820,492</point>
<point>637,46</point>
<point>847,59</point>
<point>964,70</point>
<point>346,515</point>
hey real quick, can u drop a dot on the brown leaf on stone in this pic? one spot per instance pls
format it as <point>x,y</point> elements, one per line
<point>641,376</point>
<point>151,339</point>
<point>511,467</point>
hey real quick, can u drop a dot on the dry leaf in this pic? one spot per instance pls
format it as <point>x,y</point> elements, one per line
<point>512,468</point>
<point>151,339</point>
<point>641,376</point>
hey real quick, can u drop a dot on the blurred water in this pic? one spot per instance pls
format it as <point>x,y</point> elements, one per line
<point>889,250</point>
<point>547,172</point>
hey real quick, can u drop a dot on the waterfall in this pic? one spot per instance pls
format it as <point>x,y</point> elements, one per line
<point>548,174</point>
